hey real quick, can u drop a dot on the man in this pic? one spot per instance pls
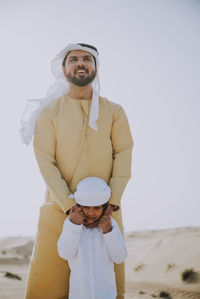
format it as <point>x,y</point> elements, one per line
<point>77,135</point>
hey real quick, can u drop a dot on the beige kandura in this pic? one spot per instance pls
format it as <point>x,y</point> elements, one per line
<point>67,150</point>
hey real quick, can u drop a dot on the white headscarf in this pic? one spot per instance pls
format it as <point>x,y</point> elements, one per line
<point>58,89</point>
<point>91,191</point>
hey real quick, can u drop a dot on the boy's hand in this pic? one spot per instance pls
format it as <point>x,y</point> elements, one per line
<point>105,224</point>
<point>76,215</point>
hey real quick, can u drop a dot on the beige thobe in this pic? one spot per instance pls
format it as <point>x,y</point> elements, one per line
<point>68,150</point>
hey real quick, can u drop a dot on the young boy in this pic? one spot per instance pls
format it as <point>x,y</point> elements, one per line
<point>91,242</point>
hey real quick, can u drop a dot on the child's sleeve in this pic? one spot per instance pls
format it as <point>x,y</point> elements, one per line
<point>115,244</point>
<point>69,239</point>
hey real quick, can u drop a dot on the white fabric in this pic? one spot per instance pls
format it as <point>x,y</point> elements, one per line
<point>58,89</point>
<point>91,255</point>
<point>92,191</point>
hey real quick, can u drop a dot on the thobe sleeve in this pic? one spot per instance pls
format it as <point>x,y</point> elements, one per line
<point>122,144</point>
<point>45,151</point>
<point>115,244</point>
<point>68,241</point>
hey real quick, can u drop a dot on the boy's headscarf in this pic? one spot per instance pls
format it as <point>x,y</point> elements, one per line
<point>58,89</point>
<point>91,191</point>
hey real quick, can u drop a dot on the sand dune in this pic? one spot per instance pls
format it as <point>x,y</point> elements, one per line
<point>155,262</point>
<point>15,255</point>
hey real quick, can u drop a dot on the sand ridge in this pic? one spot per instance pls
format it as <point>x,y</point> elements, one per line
<point>154,264</point>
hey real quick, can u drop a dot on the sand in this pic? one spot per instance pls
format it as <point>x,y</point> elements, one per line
<point>154,264</point>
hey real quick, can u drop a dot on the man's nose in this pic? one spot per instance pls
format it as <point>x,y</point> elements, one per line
<point>80,62</point>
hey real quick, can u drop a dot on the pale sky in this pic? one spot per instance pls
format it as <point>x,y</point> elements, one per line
<point>149,63</point>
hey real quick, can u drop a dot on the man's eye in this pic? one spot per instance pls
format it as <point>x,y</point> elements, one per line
<point>88,59</point>
<point>73,59</point>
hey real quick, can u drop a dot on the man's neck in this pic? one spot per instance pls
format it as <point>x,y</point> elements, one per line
<point>76,92</point>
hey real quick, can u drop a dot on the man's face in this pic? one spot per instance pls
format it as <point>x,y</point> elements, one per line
<point>80,68</point>
<point>92,214</point>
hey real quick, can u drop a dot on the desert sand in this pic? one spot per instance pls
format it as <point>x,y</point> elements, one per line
<point>154,264</point>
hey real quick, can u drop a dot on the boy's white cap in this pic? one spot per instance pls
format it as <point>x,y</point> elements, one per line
<point>91,191</point>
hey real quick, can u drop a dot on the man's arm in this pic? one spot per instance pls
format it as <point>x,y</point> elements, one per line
<point>122,154</point>
<point>45,148</point>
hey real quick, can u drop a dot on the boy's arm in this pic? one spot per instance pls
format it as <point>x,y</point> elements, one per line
<point>69,239</point>
<point>115,244</point>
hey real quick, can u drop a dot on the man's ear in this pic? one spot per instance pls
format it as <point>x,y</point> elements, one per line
<point>95,71</point>
<point>64,70</point>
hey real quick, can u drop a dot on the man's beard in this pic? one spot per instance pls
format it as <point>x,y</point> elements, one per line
<point>81,81</point>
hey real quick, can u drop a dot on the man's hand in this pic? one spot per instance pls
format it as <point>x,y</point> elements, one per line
<point>105,224</point>
<point>76,215</point>
<point>109,210</point>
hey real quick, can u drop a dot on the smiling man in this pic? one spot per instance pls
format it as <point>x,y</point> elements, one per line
<point>77,134</point>
<point>79,68</point>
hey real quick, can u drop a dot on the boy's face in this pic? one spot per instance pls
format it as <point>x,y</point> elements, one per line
<point>92,214</point>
